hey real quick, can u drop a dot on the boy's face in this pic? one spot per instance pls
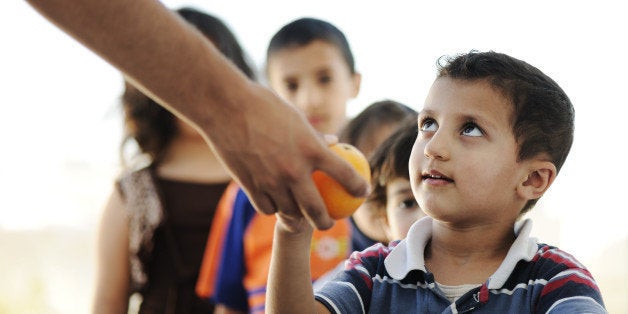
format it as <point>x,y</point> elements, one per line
<point>402,209</point>
<point>369,140</point>
<point>316,79</point>
<point>463,165</point>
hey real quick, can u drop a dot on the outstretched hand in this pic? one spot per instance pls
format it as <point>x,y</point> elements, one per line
<point>272,151</point>
<point>269,147</point>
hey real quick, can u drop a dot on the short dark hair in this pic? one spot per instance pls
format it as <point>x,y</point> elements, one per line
<point>151,125</point>
<point>543,116</point>
<point>305,30</point>
<point>368,121</point>
<point>391,159</point>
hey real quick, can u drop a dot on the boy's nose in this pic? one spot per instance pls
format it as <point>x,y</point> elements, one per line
<point>310,98</point>
<point>437,147</point>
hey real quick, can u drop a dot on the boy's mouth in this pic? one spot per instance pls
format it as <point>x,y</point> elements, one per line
<point>435,175</point>
<point>316,119</point>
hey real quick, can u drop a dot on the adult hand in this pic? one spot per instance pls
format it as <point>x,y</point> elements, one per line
<point>268,146</point>
<point>272,151</point>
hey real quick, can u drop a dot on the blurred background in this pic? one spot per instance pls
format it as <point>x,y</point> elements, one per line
<point>60,123</point>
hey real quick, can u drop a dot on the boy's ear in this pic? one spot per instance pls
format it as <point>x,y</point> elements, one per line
<point>357,81</point>
<point>540,175</point>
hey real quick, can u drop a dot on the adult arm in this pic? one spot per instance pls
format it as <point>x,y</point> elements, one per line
<point>112,283</point>
<point>266,144</point>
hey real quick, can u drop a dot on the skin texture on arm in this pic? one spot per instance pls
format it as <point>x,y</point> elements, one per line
<point>289,280</point>
<point>266,144</point>
<point>112,288</point>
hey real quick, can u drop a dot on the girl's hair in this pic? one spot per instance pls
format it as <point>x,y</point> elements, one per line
<point>391,159</point>
<point>149,124</point>
<point>303,31</point>
<point>379,114</point>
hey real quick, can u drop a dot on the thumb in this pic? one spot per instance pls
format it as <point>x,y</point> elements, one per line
<point>341,171</point>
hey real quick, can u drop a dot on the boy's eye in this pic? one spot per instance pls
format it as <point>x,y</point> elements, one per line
<point>292,86</point>
<point>409,203</point>
<point>471,129</point>
<point>324,79</point>
<point>428,125</point>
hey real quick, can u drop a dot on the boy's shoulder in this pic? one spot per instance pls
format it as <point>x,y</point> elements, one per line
<point>547,262</point>
<point>557,280</point>
<point>530,261</point>
<point>548,255</point>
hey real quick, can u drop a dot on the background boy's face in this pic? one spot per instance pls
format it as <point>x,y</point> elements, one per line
<point>369,140</point>
<point>463,166</point>
<point>316,79</point>
<point>402,209</point>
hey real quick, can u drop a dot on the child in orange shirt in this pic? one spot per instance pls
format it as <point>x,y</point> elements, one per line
<point>309,64</point>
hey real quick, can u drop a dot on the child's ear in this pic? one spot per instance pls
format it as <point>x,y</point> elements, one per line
<point>357,81</point>
<point>540,175</point>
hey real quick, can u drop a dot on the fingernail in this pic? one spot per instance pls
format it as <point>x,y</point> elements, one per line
<point>330,139</point>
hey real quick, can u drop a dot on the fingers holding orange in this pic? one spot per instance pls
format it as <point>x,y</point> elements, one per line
<point>340,204</point>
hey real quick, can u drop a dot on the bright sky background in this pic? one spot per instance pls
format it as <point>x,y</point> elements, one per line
<point>60,125</point>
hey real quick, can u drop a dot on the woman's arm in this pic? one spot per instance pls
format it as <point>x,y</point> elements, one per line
<point>267,144</point>
<point>112,285</point>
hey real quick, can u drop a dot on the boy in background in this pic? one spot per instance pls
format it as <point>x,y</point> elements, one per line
<point>392,196</point>
<point>367,131</point>
<point>391,207</point>
<point>492,135</point>
<point>309,64</point>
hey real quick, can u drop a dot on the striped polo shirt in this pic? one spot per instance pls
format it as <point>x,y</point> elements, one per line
<point>533,278</point>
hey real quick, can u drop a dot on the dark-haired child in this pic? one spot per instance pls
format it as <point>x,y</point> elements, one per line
<point>157,219</point>
<point>309,64</point>
<point>492,135</point>
<point>392,195</point>
<point>367,131</point>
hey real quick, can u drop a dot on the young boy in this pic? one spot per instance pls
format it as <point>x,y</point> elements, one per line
<point>310,64</point>
<point>367,131</point>
<point>392,196</point>
<point>493,134</point>
<point>391,204</point>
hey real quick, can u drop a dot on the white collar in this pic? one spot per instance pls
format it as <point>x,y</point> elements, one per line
<point>408,254</point>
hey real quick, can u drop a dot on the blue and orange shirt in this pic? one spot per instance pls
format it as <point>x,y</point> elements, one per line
<point>241,270</point>
<point>213,249</point>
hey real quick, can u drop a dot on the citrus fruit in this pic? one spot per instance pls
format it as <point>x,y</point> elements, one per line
<point>340,204</point>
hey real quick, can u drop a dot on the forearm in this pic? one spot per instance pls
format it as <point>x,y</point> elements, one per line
<point>267,144</point>
<point>156,50</point>
<point>289,280</point>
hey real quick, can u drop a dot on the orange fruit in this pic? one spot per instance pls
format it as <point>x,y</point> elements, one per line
<point>340,204</point>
